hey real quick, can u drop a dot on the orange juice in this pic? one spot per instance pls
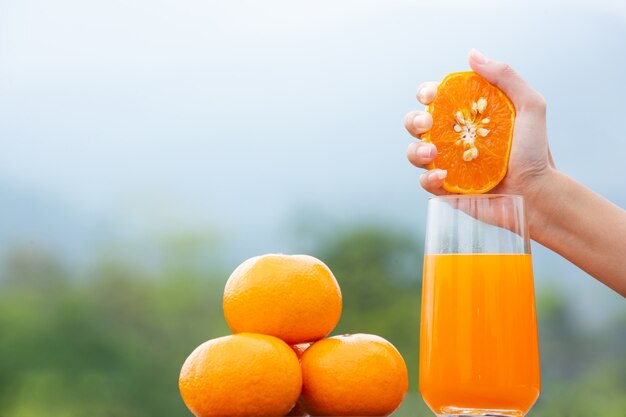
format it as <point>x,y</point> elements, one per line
<point>478,343</point>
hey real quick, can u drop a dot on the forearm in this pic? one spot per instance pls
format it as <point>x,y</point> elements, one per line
<point>581,226</point>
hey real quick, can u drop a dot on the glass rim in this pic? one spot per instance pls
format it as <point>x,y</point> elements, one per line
<point>475,196</point>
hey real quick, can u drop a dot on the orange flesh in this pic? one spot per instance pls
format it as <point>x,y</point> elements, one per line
<point>478,347</point>
<point>457,92</point>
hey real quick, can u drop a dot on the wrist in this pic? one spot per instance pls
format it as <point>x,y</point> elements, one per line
<point>544,203</point>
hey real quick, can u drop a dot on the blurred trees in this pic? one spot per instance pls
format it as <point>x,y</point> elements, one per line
<point>110,340</point>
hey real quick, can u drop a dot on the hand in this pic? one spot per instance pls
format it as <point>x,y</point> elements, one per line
<point>563,215</point>
<point>530,161</point>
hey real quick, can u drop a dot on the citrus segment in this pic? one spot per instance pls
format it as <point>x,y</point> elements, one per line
<point>473,132</point>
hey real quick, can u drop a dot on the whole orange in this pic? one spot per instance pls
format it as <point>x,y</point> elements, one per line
<point>353,375</point>
<point>293,297</point>
<point>241,375</point>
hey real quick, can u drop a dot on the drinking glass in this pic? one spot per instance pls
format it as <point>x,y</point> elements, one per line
<point>479,353</point>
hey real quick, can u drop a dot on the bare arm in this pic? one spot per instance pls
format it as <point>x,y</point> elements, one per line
<point>581,226</point>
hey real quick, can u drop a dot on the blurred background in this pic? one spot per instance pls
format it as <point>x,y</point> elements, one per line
<point>149,147</point>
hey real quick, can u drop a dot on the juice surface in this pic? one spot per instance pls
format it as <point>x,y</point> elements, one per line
<point>478,342</point>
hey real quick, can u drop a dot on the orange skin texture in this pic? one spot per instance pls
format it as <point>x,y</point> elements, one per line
<point>353,375</point>
<point>293,297</point>
<point>457,92</point>
<point>241,375</point>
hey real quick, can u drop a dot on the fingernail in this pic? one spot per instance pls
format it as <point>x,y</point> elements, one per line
<point>425,151</point>
<point>420,94</point>
<point>478,57</point>
<point>441,174</point>
<point>425,93</point>
<point>419,121</point>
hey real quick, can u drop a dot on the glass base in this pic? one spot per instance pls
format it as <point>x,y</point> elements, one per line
<point>471,412</point>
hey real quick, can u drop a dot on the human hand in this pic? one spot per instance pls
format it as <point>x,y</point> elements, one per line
<point>530,160</point>
<point>563,215</point>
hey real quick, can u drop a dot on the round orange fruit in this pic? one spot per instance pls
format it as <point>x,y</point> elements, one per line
<point>473,131</point>
<point>241,375</point>
<point>353,375</point>
<point>293,297</point>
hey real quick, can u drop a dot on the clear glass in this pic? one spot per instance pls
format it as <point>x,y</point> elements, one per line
<point>479,353</point>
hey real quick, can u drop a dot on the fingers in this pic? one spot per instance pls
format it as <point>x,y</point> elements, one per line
<point>421,154</point>
<point>426,92</point>
<point>432,181</point>
<point>508,80</point>
<point>418,122</point>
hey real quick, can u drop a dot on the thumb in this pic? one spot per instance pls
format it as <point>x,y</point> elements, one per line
<point>508,80</point>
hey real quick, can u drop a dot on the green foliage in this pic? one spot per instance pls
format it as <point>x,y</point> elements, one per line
<point>110,340</point>
<point>110,344</point>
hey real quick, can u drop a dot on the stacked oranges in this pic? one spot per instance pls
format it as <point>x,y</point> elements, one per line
<point>279,361</point>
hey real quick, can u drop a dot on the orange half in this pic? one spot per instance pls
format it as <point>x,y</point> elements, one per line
<point>473,132</point>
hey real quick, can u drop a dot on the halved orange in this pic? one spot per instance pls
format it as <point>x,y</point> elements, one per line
<point>473,132</point>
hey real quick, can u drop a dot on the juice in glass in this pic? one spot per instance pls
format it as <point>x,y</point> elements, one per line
<point>478,343</point>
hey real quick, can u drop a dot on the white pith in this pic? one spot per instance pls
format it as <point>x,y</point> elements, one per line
<point>470,128</point>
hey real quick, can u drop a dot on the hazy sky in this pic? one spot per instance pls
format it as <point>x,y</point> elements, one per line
<point>236,116</point>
